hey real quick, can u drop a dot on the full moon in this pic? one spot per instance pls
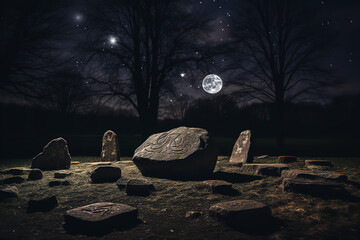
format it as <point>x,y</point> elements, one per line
<point>212,84</point>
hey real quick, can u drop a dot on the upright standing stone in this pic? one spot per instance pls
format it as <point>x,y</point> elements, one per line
<point>110,147</point>
<point>55,155</point>
<point>181,153</point>
<point>243,149</point>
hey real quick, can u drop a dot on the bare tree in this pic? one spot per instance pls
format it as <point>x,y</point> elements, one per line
<point>178,107</point>
<point>278,53</point>
<point>140,46</point>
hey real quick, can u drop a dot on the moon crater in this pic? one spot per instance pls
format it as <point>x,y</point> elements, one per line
<point>212,84</point>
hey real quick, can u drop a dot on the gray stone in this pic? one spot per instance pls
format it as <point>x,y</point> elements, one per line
<point>16,171</point>
<point>99,217</point>
<point>62,174</point>
<point>11,180</point>
<point>110,147</point>
<point>41,204</point>
<point>218,186</point>
<point>326,175</point>
<point>243,149</point>
<point>314,188</point>
<point>241,212</point>
<point>121,183</point>
<point>286,159</point>
<point>139,187</point>
<point>105,174</point>
<point>270,169</point>
<point>56,183</point>
<point>9,192</point>
<point>54,156</point>
<point>35,174</point>
<point>181,153</point>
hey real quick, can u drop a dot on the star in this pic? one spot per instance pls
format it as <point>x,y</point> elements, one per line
<point>182,74</point>
<point>78,17</point>
<point>112,40</point>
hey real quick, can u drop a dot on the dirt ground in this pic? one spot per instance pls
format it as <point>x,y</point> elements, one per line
<point>162,214</point>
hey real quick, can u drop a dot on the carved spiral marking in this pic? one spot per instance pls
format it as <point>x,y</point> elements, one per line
<point>101,210</point>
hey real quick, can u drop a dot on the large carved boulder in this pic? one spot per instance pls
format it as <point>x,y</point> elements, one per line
<point>243,148</point>
<point>110,147</point>
<point>55,155</point>
<point>181,153</point>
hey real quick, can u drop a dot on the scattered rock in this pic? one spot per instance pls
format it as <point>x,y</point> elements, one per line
<point>99,163</point>
<point>318,164</point>
<point>314,188</point>
<point>314,175</point>
<point>9,192</point>
<point>99,217</point>
<point>55,155</point>
<point>193,214</point>
<point>110,147</point>
<point>181,153</point>
<point>41,204</point>
<point>55,183</point>
<point>35,174</point>
<point>11,180</point>
<point>75,162</point>
<point>62,174</point>
<point>241,212</point>
<point>16,171</point>
<point>139,187</point>
<point>286,159</point>
<point>262,156</point>
<point>219,186</point>
<point>270,169</point>
<point>121,183</point>
<point>243,149</point>
<point>105,174</point>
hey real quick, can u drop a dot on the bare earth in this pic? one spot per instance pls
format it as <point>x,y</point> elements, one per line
<point>162,214</point>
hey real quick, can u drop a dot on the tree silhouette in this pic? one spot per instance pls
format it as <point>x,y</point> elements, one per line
<point>277,57</point>
<point>140,48</point>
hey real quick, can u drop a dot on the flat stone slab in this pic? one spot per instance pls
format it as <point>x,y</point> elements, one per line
<point>265,169</point>
<point>16,171</point>
<point>241,212</point>
<point>181,153</point>
<point>326,175</point>
<point>314,188</point>
<point>11,180</point>
<point>243,150</point>
<point>99,163</point>
<point>62,174</point>
<point>218,186</point>
<point>99,217</point>
<point>56,183</point>
<point>9,192</point>
<point>41,204</point>
<point>262,157</point>
<point>35,174</point>
<point>105,174</point>
<point>286,159</point>
<point>139,187</point>
<point>318,164</point>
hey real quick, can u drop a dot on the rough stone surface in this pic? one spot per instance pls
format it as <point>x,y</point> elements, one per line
<point>326,175</point>
<point>99,217</point>
<point>241,212</point>
<point>41,204</point>
<point>35,174</point>
<point>121,183</point>
<point>193,214</point>
<point>55,183</point>
<point>287,159</point>
<point>9,192</point>
<point>16,171</point>
<point>110,147</point>
<point>139,187</point>
<point>55,155</point>
<point>218,186</point>
<point>11,180</point>
<point>314,188</point>
<point>105,174</point>
<point>62,174</point>
<point>270,169</point>
<point>181,153</point>
<point>243,150</point>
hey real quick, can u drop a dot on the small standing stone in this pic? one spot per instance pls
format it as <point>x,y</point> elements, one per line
<point>35,174</point>
<point>139,187</point>
<point>9,192</point>
<point>287,159</point>
<point>243,148</point>
<point>42,204</point>
<point>54,156</point>
<point>11,180</point>
<point>219,186</point>
<point>110,147</point>
<point>105,174</point>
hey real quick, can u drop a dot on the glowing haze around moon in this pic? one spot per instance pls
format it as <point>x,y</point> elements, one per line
<point>212,84</point>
